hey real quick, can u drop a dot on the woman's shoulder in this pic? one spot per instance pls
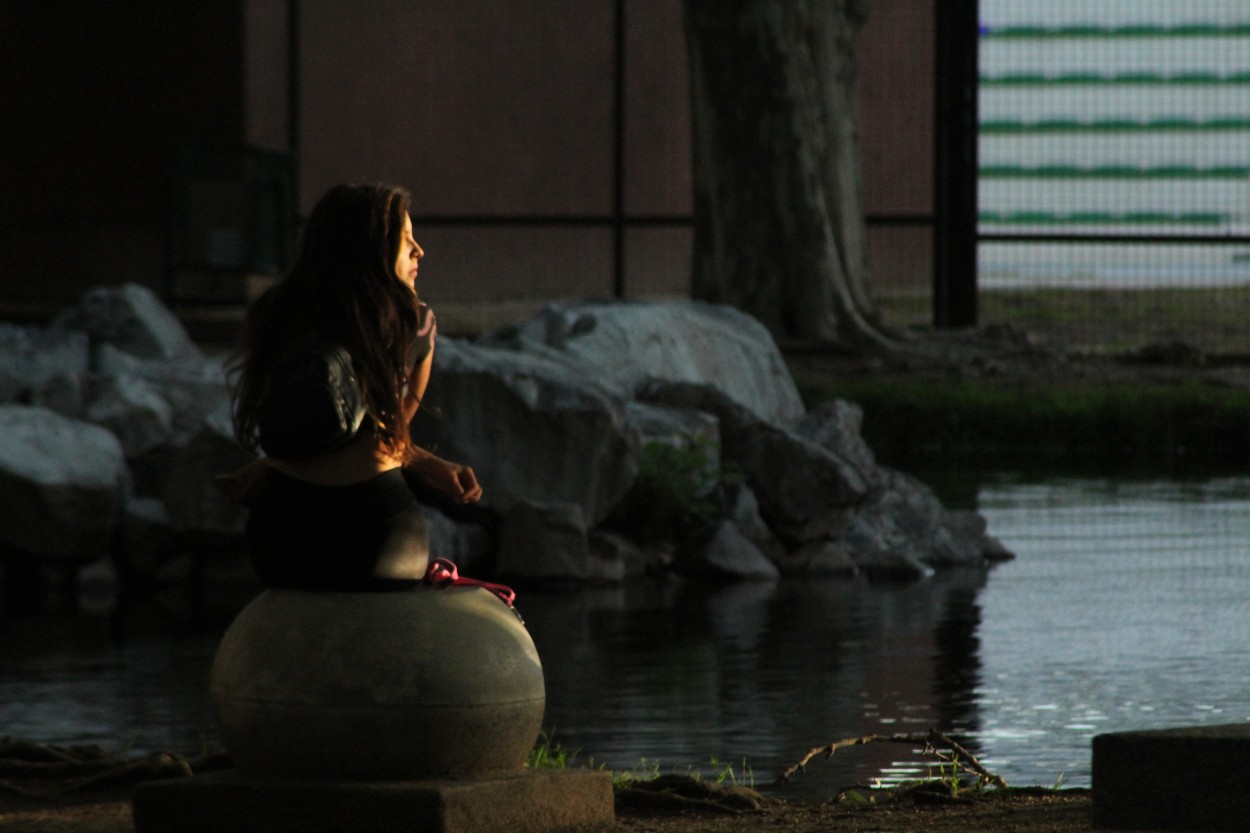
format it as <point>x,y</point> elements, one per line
<point>312,403</point>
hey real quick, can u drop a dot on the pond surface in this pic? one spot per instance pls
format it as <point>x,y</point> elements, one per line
<point>1127,608</point>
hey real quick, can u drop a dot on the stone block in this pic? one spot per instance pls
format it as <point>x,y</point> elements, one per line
<point>1188,778</point>
<point>532,801</point>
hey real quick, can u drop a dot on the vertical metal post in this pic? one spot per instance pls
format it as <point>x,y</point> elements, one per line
<point>294,80</point>
<point>955,164</point>
<point>618,153</point>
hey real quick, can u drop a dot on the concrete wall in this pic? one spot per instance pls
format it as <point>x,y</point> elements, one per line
<point>896,124</point>
<point>95,99</point>
<point>500,116</point>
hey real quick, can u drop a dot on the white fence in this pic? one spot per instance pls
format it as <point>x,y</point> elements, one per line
<point>1118,119</point>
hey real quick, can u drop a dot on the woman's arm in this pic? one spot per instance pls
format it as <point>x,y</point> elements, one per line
<point>452,479</point>
<point>418,380</point>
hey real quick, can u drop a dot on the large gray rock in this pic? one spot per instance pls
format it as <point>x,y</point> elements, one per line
<point>149,540</point>
<point>903,529</point>
<point>191,497</point>
<point>741,507</point>
<point>805,490</point>
<point>30,356</point>
<point>615,558</point>
<point>623,345</point>
<point>543,543</point>
<point>467,545</point>
<point>817,559</point>
<point>835,426</point>
<point>726,554</point>
<point>192,386</point>
<point>63,483</point>
<point>133,319</point>
<point>534,431</point>
<point>65,393</point>
<point>133,410</point>
<point>675,426</point>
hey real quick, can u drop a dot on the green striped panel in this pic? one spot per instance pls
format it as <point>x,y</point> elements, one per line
<point>1114,172</point>
<point>1025,79</point>
<point>1100,218</point>
<point>1113,125</point>
<point>1190,30</point>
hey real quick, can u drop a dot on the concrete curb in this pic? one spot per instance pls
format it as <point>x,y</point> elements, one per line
<point>1190,778</point>
<point>532,801</point>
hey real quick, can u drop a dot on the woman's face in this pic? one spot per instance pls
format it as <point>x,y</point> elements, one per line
<point>407,260</point>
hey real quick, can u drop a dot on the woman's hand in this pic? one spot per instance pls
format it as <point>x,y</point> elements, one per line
<point>452,479</point>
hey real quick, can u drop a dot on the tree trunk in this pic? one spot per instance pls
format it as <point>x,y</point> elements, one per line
<point>778,206</point>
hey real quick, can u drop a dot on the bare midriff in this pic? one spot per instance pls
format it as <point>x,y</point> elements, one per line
<point>356,462</point>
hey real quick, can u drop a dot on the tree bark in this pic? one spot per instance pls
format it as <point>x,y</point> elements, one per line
<point>779,226</point>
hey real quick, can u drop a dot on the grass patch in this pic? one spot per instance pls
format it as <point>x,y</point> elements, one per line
<point>549,753</point>
<point>1124,425</point>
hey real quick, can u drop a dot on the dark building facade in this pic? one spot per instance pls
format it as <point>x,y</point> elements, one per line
<point>546,144</point>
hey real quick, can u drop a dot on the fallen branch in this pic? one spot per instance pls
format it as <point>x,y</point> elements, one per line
<point>932,743</point>
<point>34,769</point>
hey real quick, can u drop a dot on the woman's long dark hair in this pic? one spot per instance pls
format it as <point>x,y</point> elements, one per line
<point>343,287</point>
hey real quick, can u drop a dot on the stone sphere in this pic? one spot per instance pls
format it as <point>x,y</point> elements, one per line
<point>422,684</point>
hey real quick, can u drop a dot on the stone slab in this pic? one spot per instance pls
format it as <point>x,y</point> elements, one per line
<point>1188,778</point>
<point>532,801</point>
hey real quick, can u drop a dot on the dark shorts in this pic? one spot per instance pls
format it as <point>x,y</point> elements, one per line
<point>365,537</point>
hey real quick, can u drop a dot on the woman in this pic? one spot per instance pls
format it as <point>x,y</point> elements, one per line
<point>334,362</point>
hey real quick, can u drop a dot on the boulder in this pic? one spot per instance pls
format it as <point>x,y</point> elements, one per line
<point>624,345</point>
<point>96,588</point>
<point>805,491</point>
<point>30,356</point>
<point>534,431</point>
<point>149,540</point>
<point>467,545</point>
<point>614,558</point>
<point>835,426</point>
<point>675,426</point>
<point>63,484</point>
<point>65,393</point>
<point>132,409</point>
<point>741,507</point>
<point>903,529</point>
<point>725,554</point>
<point>132,319</point>
<point>818,559</point>
<point>192,386</point>
<point>191,497</point>
<point>543,543</point>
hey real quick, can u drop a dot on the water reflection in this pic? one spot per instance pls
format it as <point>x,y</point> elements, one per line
<point>760,671</point>
<point>1125,609</point>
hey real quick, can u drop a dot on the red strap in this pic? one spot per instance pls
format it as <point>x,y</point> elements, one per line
<point>443,573</point>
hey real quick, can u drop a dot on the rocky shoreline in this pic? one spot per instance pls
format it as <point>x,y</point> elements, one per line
<point>615,439</point>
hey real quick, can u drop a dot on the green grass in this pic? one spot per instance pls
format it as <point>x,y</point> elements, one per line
<point>548,753</point>
<point>978,421</point>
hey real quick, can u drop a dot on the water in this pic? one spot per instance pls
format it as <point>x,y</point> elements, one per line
<point>1126,609</point>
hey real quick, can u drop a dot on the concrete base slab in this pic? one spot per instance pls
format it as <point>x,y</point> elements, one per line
<point>1191,778</point>
<point>531,801</point>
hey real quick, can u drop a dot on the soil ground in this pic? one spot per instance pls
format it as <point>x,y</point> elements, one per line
<point>1018,811</point>
<point>1002,354</point>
